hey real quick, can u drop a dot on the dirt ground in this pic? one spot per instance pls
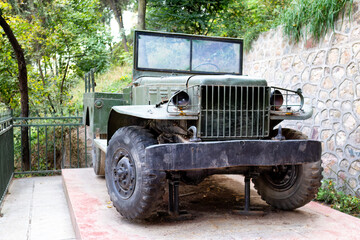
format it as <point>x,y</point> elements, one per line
<point>218,194</point>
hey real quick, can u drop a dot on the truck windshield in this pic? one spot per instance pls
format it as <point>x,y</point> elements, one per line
<point>184,53</point>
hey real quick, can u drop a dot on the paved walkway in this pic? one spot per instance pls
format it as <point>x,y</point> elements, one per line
<point>36,209</point>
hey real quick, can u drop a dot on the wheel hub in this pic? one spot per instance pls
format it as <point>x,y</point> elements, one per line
<point>282,178</point>
<point>124,174</point>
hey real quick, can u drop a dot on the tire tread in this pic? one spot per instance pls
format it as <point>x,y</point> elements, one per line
<point>153,182</point>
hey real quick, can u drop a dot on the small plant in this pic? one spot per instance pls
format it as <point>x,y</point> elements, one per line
<point>338,200</point>
<point>313,17</point>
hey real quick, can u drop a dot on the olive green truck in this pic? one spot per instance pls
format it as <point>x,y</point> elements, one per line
<point>191,113</point>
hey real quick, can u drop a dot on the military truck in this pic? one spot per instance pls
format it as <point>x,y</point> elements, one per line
<point>191,113</point>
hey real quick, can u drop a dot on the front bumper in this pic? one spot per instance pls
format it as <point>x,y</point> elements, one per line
<point>224,154</point>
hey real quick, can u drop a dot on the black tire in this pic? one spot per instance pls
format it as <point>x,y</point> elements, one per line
<point>135,191</point>
<point>290,187</point>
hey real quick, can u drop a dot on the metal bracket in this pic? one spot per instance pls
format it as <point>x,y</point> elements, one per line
<point>174,213</point>
<point>194,137</point>
<point>279,136</point>
<point>248,210</point>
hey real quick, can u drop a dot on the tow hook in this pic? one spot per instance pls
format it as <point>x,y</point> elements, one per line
<point>194,137</point>
<point>279,136</point>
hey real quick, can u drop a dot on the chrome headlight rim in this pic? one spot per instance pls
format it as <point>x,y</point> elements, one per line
<point>181,100</point>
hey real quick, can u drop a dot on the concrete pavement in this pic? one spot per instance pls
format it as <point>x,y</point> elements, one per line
<point>36,209</point>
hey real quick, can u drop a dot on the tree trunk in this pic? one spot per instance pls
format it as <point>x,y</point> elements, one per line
<point>23,89</point>
<point>141,14</point>
<point>44,85</point>
<point>114,5</point>
<point>63,81</point>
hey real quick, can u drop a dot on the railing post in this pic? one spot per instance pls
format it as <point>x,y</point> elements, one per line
<point>85,81</point>
<point>93,79</point>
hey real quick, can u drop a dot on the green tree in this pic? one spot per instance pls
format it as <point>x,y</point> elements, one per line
<point>229,18</point>
<point>117,7</point>
<point>141,14</point>
<point>247,19</point>
<point>23,86</point>
<point>62,40</point>
<point>187,16</point>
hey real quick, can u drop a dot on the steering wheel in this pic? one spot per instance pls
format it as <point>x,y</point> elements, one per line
<point>208,63</point>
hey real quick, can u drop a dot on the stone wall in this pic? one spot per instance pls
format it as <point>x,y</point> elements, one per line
<point>328,74</point>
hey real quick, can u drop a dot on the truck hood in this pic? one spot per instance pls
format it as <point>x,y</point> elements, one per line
<point>192,80</point>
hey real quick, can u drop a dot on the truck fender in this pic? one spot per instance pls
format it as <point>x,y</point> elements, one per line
<point>118,120</point>
<point>140,115</point>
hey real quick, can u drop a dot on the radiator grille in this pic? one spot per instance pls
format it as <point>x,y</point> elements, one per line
<point>234,111</point>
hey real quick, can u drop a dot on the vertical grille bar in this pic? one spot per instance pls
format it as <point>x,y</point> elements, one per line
<point>230,88</point>
<point>241,111</point>
<point>235,110</point>
<point>212,110</point>
<point>206,111</point>
<point>264,112</point>
<point>224,113</point>
<point>218,113</point>
<point>247,110</point>
<point>258,112</point>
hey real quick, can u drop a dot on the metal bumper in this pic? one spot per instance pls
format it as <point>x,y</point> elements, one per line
<point>223,154</point>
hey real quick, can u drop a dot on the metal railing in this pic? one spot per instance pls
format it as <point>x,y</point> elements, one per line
<point>90,81</point>
<point>56,142</point>
<point>6,152</point>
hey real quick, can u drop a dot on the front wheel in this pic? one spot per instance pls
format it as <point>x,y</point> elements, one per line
<point>135,191</point>
<point>290,187</point>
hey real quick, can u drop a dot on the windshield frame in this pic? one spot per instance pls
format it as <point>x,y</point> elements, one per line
<point>187,37</point>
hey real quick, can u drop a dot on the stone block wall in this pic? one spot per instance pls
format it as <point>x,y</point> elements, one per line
<point>328,72</point>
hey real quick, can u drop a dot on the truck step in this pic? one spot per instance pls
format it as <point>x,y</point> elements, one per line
<point>101,144</point>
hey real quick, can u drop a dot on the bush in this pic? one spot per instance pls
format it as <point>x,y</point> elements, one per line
<point>338,200</point>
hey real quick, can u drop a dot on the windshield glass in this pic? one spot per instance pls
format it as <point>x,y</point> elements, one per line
<point>164,53</point>
<point>188,54</point>
<point>214,56</point>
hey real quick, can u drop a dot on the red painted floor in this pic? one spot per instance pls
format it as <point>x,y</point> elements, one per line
<point>211,204</point>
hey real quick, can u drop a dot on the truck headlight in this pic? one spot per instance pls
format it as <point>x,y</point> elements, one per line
<point>181,100</point>
<point>276,99</point>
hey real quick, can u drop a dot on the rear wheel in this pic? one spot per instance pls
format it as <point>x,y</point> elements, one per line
<point>290,187</point>
<point>135,191</point>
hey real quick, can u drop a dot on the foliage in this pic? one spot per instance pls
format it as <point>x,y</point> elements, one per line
<point>114,81</point>
<point>61,39</point>
<point>189,16</point>
<point>120,57</point>
<point>247,19</point>
<point>230,18</point>
<point>338,200</point>
<point>312,17</point>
